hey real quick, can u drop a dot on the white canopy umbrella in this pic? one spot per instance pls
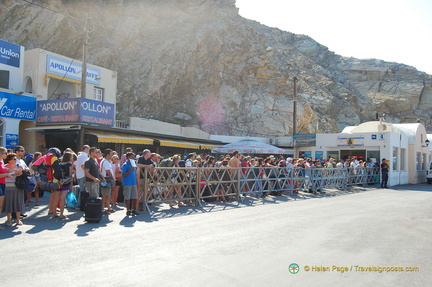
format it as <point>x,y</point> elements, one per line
<point>249,145</point>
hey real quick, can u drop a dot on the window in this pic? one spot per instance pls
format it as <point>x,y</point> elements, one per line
<point>403,159</point>
<point>374,155</point>
<point>395,158</point>
<point>333,154</point>
<point>418,161</point>
<point>4,79</point>
<point>98,94</point>
<point>423,163</point>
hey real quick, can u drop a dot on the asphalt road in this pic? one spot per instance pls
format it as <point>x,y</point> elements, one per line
<point>250,244</point>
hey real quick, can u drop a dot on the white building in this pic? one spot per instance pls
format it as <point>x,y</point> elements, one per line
<point>16,109</point>
<point>402,145</point>
<point>63,113</point>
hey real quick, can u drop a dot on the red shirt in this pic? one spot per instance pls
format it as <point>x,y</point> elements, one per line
<point>3,170</point>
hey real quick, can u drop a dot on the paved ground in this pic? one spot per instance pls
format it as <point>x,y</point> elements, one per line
<point>251,244</point>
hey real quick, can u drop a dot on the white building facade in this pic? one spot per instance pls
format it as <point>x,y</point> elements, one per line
<point>16,108</point>
<point>402,145</point>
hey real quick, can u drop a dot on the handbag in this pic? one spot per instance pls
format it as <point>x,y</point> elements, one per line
<point>20,182</point>
<point>71,201</point>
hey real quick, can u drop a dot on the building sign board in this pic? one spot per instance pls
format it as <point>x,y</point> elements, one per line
<point>71,70</point>
<point>350,141</point>
<point>304,139</point>
<point>10,54</point>
<point>17,106</point>
<point>76,110</point>
<point>11,140</point>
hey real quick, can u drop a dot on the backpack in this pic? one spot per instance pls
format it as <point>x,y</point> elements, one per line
<point>40,165</point>
<point>55,168</point>
<point>166,163</point>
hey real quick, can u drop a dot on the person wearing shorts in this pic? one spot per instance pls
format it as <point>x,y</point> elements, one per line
<point>130,190</point>
<point>92,174</point>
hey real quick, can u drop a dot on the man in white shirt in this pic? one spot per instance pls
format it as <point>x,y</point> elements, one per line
<point>108,175</point>
<point>79,167</point>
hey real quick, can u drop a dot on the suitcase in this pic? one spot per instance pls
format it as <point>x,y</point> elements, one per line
<point>82,199</point>
<point>93,210</point>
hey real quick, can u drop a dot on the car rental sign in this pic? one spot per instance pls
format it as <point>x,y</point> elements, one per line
<point>17,106</point>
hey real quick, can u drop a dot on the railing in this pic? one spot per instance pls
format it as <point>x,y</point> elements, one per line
<point>122,124</point>
<point>197,185</point>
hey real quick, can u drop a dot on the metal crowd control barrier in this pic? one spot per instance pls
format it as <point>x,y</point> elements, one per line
<point>187,185</point>
<point>193,186</point>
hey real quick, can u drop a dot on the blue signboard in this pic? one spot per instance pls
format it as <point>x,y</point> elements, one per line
<point>96,112</point>
<point>10,54</point>
<point>319,155</point>
<point>76,110</point>
<point>17,107</point>
<point>307,154</point>
<point>71,70</point>
<point>11,140</point>
<point>58,111</point>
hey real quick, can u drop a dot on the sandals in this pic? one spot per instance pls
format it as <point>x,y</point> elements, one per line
<point>62,217</point>
<point>9,224</point>
<point>19,223</point>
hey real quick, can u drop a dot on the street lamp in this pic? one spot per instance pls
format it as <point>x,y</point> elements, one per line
<point>426,143</point>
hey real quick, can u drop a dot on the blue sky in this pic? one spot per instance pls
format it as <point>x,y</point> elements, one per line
<point>395,31</point>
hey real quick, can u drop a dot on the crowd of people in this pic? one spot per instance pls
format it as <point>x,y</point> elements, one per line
<point>102,173</point>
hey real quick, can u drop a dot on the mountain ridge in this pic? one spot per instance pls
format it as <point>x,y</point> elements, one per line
<point>199,63</point>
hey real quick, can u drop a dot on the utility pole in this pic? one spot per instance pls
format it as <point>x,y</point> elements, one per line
<point>295,107</point>
<point>84,61</point>
<point>81,138</point>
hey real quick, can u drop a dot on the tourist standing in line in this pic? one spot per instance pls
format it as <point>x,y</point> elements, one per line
<point>107,174</point>
<point>92,173</point>
<point>79,168</point>
<point>130,191</point>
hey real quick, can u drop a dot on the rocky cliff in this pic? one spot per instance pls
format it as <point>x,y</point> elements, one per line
<point>198,63</point>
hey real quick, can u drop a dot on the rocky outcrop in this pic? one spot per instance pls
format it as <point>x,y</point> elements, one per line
<point>198,63</point>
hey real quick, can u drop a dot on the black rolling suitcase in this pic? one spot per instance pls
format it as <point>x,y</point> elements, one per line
<point>82,199</point>
<point>93,210</point>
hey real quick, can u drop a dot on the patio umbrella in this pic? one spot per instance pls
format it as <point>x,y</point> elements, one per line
<point>249,145</point>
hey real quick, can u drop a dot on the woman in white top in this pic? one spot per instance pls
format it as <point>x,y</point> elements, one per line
<point>116,169</point>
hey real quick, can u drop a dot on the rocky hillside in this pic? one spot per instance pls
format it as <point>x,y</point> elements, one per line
<point>198,63</point>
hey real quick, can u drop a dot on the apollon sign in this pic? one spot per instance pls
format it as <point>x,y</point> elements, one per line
<point>75,110</point>
<point>71,70</point>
